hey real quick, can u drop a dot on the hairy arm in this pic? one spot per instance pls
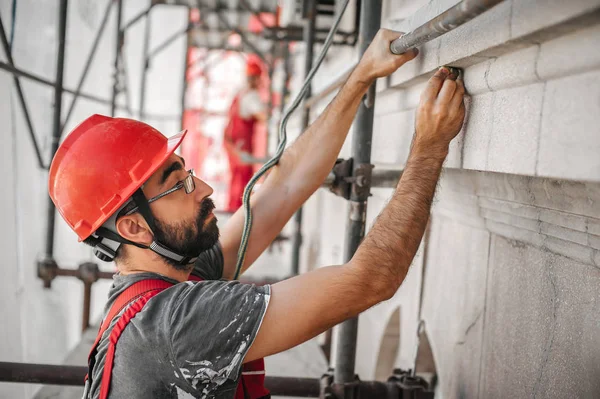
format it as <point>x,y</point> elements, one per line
<point>305,306</point>
<point>305,164</point>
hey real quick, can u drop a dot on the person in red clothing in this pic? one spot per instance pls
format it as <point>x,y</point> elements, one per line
<point>246,110</point>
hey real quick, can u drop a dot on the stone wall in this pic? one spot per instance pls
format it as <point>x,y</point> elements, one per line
<point>504,290</point>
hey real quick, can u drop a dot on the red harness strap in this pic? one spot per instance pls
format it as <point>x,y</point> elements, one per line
<point>251,385</point>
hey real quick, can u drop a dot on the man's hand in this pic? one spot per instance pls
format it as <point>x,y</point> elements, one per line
<point>378,61</point>
<point>441,112</point>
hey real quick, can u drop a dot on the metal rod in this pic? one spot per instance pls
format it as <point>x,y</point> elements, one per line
<point>146,61</point>
<point>56,125</point>
<point>184,83</point>
<point>345,353</point>
<point>87,304</point>
<point>11,66</point>
<point>168,41</point>
<point>19,72</point>
<point>286,80</point>
<point>60,272</point>
<point>74,375</point>
<point>88,64</point>
<point>118,48</point>
<point>386,175</point>
<point>137,18</point>
<point>450,19</point>
<point>309,37</point>
<point>382,176</point>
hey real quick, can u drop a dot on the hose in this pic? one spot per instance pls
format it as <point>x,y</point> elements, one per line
<point>282,143</point>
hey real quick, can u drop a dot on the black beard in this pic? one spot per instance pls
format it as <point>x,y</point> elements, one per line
<point>189,240</point>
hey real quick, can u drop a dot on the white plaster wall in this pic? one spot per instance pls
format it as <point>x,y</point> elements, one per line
<point>42,325</point>
<point>524,170</point>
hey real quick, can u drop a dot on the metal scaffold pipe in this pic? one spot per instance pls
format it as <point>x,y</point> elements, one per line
<point>309,37</point>
<point>56,124</point>
<point>74,376</point>
<point>345,333</point>
<point>450,19</point>
<point>118,48</point>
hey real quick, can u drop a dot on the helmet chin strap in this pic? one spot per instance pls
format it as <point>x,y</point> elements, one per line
<point>110,240</point>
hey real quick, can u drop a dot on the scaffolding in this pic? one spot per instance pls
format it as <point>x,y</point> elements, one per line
<point>351,178</point>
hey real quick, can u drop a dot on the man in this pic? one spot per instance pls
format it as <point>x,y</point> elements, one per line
<point>245,111</point>
<point>120,187</point>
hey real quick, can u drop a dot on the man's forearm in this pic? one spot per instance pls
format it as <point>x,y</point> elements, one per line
<point>392,242</point>
<point>307,162</point>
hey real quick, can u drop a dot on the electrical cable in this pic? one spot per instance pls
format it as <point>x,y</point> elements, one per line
<point>282,143</point>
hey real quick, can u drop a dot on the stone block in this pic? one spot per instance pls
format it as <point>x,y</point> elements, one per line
<point>541,336</point>
<point>394,100</point>
<point>564,219</point>
<point>593,226</point>
<point>570,133</point>
<point>489,29</point>
<point>475,78</point>
<point>391,140</point>
<point>569,54</point>
<point>531,15</point>
<point>478,130</point>
<point>453,302</point>
<point>563,233</point>
<point>514,139</point>
<point>511,220</point>
<point>513,69</point>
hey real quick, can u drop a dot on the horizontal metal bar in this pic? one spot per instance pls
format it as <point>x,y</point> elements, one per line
<point>450,19</point>
<point>76,273</point>
<point>386,175</point>
<point>42,373</point>
<point>382,176</point>
<point>19,72</point>
<point>74,375</point>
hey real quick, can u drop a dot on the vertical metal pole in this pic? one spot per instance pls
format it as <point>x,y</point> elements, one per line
<point>309,38</point>
<point>87,304</point>
<point>286,77</point>
<point>118,48</point>
<point>146,61</point>
<point>56,125</point>
<point>186,65</point>
<point>345,354</point>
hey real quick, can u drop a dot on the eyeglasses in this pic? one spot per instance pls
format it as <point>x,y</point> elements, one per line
<point>187,184</point>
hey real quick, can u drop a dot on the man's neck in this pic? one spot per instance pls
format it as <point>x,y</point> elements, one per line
<point>152,264</point>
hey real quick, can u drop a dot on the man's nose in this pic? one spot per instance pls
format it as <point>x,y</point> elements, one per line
<point>203,190</point>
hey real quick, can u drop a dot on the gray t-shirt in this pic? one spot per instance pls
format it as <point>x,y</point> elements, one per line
<point>188,341</point>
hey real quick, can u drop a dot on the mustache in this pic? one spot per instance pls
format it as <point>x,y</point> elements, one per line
<point>206,208</point>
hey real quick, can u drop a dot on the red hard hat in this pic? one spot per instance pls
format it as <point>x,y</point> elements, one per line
<point>253,68</point>
<point>100,164</point>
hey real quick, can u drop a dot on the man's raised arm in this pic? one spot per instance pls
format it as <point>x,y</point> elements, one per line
<point>305,164</point>
<point>304,306</point>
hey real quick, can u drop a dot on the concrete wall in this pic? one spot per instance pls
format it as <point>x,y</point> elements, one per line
<point>505,286</point>
<point>42,325</point>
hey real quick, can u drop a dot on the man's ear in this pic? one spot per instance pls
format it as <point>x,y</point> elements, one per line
<point>134,228</point>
